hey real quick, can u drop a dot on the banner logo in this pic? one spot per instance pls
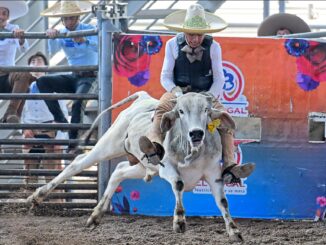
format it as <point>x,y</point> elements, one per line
<point>233,99</point>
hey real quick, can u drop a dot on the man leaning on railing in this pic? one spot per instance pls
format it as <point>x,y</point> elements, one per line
<point>79,51</point>
<point>13,82</point>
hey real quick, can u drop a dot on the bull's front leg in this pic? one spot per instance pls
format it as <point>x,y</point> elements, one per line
<point>217,188</point>
<point>123,171</point>
<point>170,174</point>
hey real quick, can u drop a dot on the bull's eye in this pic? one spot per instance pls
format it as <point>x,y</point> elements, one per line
<point>181,111</point>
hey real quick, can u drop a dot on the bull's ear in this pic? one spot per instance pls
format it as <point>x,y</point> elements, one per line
<point>226,119</point>
<point>168,120</point>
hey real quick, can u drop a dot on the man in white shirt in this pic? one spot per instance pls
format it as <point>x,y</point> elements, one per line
<point>36,111</point>
<point>193,63</point>
<point>14,82</point>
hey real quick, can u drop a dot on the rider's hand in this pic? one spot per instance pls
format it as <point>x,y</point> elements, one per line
<point>186,89</point>
<point>177,91</point>
<point>207,93</point>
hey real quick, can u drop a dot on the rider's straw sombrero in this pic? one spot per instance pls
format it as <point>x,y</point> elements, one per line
<point>68,8</point>
<point>275,22</point>
<point>194,20</point>
<point>16,8</point>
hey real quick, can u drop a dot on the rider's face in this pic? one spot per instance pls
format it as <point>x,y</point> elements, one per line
<point>194,40</point>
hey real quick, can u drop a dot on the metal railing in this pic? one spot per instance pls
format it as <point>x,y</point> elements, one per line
<point>11,191</point>
<point>42,35</point>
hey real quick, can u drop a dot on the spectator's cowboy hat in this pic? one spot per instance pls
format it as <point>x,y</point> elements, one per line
<point>275,22</point>
<point>194,20</point>
<point>68,8</point>
<point>16,8</point>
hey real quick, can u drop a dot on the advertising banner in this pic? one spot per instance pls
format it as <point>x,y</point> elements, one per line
<point>278,82</point>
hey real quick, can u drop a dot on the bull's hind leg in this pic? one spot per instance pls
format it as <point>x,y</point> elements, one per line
<point>123,171</point>
<point>106,148</point>
<point>217,187</point>
<point>170,174</point>
<point>76,166</point>
<point>38,196</point>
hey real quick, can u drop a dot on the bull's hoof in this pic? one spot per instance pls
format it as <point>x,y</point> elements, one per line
<point>148,178</point>
<point>179,227</point>
<point>236,237</point>
<point>31,200</point>
<point>93,221</point>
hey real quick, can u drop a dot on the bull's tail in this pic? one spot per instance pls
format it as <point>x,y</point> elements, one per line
<point>86,136</point>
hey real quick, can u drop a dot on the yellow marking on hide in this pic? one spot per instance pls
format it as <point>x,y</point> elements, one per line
<point>213,125</point>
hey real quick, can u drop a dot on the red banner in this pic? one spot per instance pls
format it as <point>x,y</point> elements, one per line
<point>278,79</point>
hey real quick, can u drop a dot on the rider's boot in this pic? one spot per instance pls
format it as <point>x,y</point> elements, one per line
<point>231,171</point>
<point>152,144</point>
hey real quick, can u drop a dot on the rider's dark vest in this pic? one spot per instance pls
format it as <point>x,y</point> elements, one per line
<point>198,74</point>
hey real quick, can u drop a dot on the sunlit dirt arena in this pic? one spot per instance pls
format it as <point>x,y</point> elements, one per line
<point>68,227</point>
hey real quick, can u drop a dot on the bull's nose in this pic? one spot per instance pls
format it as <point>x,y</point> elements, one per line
<point>196,135</point>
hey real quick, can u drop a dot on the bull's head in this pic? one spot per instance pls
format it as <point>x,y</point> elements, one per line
<point>194,111</point>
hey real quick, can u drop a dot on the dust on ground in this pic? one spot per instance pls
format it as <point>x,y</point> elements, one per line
<point>18,226</point>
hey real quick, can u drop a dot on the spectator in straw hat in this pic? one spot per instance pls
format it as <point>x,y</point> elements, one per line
<point>78,50</point>
<point>15,82</point>
<point>193,63</point>
<point>282,24</point>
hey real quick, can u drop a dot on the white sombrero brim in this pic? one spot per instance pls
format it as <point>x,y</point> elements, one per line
<point>16,8</point>
<point>275,22</point>
<point>55,10</point>
<point>175,21</point>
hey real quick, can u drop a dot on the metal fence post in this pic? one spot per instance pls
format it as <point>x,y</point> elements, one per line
<point>266,8</point>
<point>105,91</point>
<point>281,6</point>
<point>105,15</point>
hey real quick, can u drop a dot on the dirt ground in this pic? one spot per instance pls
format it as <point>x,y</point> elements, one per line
<point>17,226</point>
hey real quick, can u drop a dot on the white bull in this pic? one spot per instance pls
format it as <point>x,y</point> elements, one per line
<point>192,154</point>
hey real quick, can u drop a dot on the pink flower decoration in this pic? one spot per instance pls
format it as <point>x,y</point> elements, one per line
<point>135,210</point>
<point>129,56</point>
<point>119,189</point>
<point>313,63</point>
<point>321,201</point>
<point>135,195</point>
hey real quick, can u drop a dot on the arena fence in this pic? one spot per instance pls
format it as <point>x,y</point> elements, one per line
<point>17,181</point>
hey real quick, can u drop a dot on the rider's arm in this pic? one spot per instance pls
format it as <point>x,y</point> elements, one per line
<point>217,69</point>
<point>171,52</point>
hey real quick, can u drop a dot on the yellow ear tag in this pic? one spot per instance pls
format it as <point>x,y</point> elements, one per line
<point>213,125</point>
